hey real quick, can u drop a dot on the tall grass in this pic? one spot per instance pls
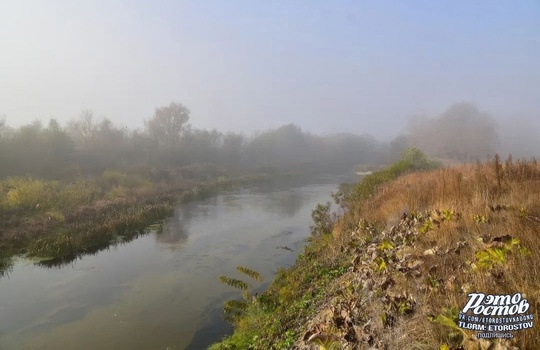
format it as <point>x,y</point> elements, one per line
<point>493,200</point>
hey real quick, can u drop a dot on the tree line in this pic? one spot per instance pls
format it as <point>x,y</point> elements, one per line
<point>168,144</point>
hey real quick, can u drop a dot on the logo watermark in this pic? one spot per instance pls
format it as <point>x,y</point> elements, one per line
<point>495,316</point>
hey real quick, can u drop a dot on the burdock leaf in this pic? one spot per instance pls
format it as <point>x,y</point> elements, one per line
<point>385,245</point>
<point>232,306</point>
<point>449,322</point>
<point>233,282</point>
<point>250,273</point>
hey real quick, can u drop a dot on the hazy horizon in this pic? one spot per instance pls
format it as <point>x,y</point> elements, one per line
<point>239,66</point>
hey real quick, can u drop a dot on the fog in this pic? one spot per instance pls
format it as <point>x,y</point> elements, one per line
<point>242,66</point>
<point>114,114</point>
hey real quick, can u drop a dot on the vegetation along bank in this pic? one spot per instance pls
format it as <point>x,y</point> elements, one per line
<point>53,222</point>
<point>395,266</point>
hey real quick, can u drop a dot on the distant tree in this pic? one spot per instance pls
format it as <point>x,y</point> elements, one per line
<point>138,144</point>
<point>231,148</point>
<point>28,151</point>
<point>397,146</point>
<point>347,150</point>
<point>108,145</point>
<point>108,136</point>
<point>3,127</point>
<point>83,129</point>
<point>168,124</point>
<point>462,132</point>
<point>200,146</point>
<point>287,144</point>
<point>59,146</point>
<point>3,147</point>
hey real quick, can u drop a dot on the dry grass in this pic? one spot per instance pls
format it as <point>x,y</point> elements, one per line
<point>489,200</point>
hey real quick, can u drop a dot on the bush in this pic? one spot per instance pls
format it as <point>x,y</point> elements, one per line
<point>412,160</point>
<point>28,194</point>
<point>322,218</point>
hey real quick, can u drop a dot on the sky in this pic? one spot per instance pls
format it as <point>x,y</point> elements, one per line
<point>327,66</point>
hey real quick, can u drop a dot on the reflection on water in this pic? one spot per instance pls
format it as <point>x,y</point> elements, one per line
<point>175,233</point>
<point>161,290</point>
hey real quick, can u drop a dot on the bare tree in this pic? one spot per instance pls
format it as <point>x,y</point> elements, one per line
<point>84,128</point>
<point>168,124</point>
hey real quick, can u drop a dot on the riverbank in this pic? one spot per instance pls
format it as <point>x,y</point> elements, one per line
<point>54,222</point>
<point>396,266</point>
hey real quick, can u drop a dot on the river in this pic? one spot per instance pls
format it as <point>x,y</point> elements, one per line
<point>161,290</point>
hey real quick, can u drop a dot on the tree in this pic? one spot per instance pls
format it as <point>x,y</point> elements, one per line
<point>4,151</point>
<point>84,128</point>
<point>397,146</point>
<point>462,132</point>
<point>28,151</point>
<point>3,127</point>
<point>59,148</point>
<point>284,145</point>
<point>168,124</point>
<point>231,148</point>
<point>200,146</point>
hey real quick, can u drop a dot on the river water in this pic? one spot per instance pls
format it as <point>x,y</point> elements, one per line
<point>161,290</point>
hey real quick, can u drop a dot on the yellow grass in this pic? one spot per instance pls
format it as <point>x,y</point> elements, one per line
<point>493,200</point>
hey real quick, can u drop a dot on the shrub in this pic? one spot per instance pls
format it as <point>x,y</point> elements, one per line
<point>28,194</point>
<point>412,159</point>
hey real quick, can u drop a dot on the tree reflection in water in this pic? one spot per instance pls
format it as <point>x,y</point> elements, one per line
<point>176,230</point>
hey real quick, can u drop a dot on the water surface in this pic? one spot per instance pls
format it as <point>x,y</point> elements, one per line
<point>161,290</point>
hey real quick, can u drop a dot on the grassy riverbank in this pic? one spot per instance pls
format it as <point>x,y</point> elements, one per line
<point>56,221</point>
<point>397,264</point>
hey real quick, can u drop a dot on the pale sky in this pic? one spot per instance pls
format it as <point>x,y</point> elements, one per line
<point>328,66</point>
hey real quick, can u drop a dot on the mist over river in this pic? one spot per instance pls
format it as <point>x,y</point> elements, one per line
<point>161,290</point>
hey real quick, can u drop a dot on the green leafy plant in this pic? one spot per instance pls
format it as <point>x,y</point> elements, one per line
<point>380,264</point>
<point>322,218</point>
<point>447,214</point>
<point>480,219</point>
<point>250,273</point>
<point>385,245</point>
<point>326,342</point>
<point>497,255</point>
<point>449,318</point>
<point>233,309</point>
<point>427,226</point>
